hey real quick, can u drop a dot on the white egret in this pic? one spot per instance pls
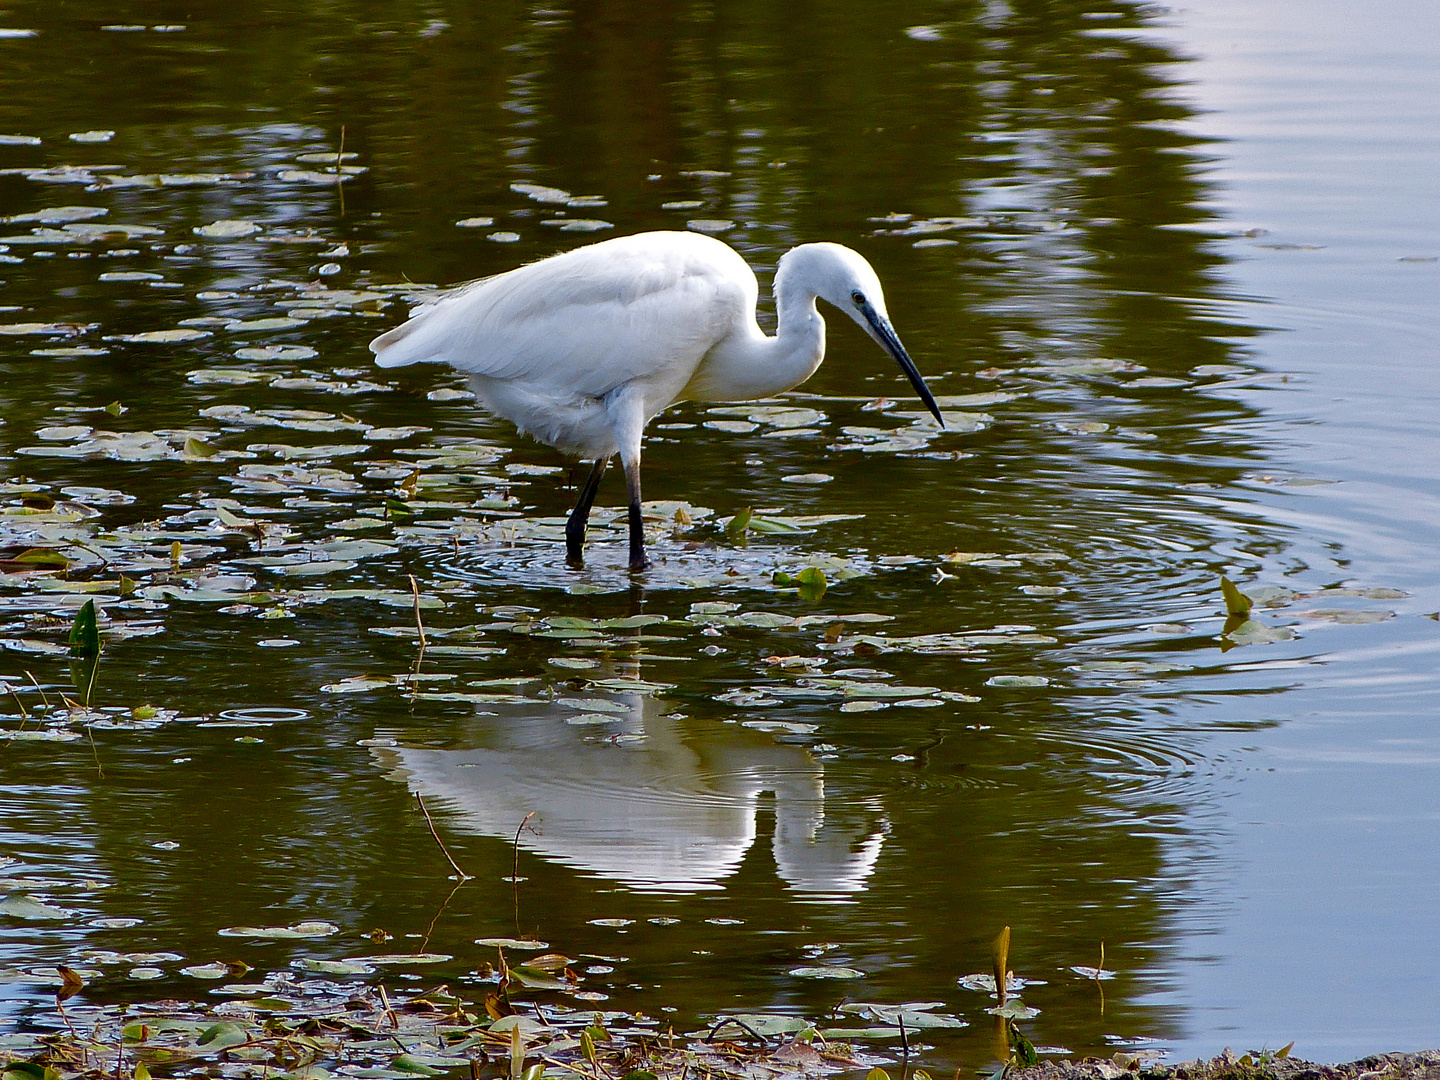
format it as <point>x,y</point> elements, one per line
<point>583,349</point>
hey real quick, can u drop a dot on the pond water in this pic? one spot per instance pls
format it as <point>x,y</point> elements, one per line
<point>1173,275</point>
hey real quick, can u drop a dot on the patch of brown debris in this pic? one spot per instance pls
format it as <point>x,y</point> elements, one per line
<point>1421,1066</point>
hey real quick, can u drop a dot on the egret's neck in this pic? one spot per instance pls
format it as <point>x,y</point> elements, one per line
<point>799,324</point>
<point>754,365</point>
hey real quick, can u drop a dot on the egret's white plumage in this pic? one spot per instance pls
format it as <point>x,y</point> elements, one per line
<point>583,349</point>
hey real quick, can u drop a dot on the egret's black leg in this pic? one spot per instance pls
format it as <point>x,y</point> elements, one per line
<point>575,527</point>
<point>638,561</point>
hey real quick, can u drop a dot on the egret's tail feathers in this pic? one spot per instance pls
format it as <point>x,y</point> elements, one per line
<point>424,337</point>
<point>396,348</point>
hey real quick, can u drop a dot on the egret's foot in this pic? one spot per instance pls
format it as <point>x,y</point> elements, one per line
<point>574,543</point>
<point>580,516</point>
<point>638,559</point>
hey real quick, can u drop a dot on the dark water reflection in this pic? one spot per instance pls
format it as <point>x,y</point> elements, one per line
<point>1021,179</point>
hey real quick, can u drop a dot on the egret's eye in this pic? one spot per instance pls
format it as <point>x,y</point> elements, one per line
<point>858,298</point>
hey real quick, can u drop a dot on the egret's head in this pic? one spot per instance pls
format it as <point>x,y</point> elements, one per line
<point>842,277</point>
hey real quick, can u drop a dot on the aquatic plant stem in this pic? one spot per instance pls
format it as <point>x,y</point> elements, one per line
<point>453,865</point>
<point>420,630</point>
<point>575,1068</point>
<point>425,942</point>
<point>339,171</point>
<point>740,1024</point>
<point>95,751</point>
<point>24,712</point>
<point>38,690</point>
<point>419,624</point>
<point>1098,984</point>
<point>515,868</point>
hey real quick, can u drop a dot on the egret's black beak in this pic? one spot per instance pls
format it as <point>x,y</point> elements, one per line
<point>885,334</point>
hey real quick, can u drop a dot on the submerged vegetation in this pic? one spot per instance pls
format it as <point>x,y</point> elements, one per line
<point>532,1017</point>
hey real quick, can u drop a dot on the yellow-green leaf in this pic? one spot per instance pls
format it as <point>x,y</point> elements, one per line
<point>812,583</point>
<point>1236,602</point>
<point>1000,957</point>
<point>234,521</point>
<point>42,558</point>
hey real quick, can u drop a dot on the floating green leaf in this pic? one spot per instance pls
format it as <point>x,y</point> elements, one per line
<point>23,907</point>
<point>222,1035</point>
<point>308,929</point>
<point>1241,631</point>
<point>1014,1009</point>
<point>40,559</point>
<point>410,1064</point>
<point>1017,680</point>
<point>812,584</point>
<point>333,967</point>
<point>528,944</point>
<point>29,1070</point>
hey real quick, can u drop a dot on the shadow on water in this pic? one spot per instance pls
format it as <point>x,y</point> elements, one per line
<point>1016,176</point>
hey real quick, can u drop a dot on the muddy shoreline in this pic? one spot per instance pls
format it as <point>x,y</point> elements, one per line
<point>1227,1066</point>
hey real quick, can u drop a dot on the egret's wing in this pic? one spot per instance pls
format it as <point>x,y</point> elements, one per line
<point>586,321</point>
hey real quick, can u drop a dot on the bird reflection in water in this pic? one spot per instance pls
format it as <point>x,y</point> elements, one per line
<point>651,799</point>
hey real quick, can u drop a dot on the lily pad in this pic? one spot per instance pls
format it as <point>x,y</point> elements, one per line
<point>574,663</point>
<point>765,1024</point>
<point>540,193</point>
<point>1254,632</point>
<point>58,215</point>
<point>308,929</point>
<point>1347,616</point>
<point>26,907</point>
<point>579,224</point>
<point>1092,972</point>
<point>807,478</point>
<point>247,326</point>
<point>162,337</point>
<point>276,352</point>
<point>206,971</point>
